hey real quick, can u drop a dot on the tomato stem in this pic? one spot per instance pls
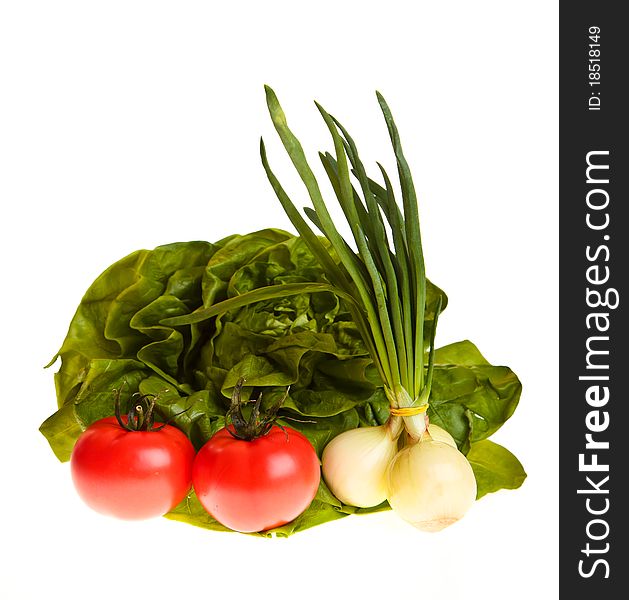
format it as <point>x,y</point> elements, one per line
<point>259,423</point>
<point>141,415</point>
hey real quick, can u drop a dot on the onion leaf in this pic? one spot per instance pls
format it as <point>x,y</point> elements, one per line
<point>388,279</point>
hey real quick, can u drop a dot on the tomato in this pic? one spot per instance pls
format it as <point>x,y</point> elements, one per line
<point>132,474</point>
<point>258,484</point>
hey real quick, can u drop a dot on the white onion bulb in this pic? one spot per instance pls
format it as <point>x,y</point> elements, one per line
<point>355,464</point>
<point>431,485</point>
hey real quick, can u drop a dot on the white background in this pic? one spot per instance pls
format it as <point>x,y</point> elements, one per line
<point>126,125</point>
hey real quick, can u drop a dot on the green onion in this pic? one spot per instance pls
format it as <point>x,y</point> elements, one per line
<point>385,276</point>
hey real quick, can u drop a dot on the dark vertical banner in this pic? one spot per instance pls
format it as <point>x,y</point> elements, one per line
<point>594,267</point>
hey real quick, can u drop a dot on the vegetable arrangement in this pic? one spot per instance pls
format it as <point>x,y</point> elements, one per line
<point>396,421</point>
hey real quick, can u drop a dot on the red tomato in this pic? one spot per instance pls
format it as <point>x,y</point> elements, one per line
<point>259,484</point>
<point>132,474</point>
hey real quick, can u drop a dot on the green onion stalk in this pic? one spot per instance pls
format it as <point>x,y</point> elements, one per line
<point>385,278</point>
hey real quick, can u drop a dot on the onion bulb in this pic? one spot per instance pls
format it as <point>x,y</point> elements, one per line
<point>430,484</point>
<point>355,465</point>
